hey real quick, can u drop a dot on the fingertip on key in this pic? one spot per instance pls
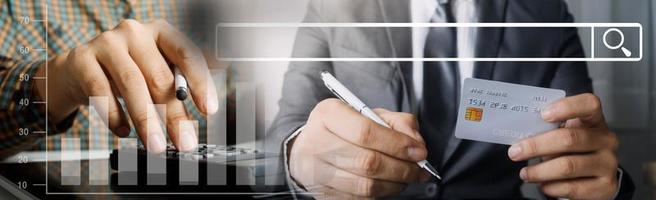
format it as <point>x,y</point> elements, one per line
<point>188,141</point>
<point>156,143</point>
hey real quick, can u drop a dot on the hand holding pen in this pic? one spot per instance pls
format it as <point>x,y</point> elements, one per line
<point>131,62</point>
<point>348,97</point>
<point>341,152</point>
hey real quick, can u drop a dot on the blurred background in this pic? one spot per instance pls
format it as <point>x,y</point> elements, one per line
<point>627,89</point>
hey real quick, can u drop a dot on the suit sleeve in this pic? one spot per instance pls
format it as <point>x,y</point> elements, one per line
<point>302,86</point>
<point>573,78</point>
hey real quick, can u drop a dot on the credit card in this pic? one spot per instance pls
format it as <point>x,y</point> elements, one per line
<point>503,113</point>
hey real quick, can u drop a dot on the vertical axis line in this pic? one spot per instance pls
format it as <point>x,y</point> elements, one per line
<point>46,97</point>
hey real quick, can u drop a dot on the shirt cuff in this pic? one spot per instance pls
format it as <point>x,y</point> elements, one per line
<point>19,106</point>
<point>33,114</point>
<point>293,185</point>
<point>620,174</point>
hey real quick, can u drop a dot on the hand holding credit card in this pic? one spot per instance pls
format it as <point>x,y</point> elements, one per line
<point>503,113</point>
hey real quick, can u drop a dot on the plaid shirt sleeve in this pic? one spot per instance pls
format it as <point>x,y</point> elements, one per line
<point>69,24</point>
<point>18,111</point>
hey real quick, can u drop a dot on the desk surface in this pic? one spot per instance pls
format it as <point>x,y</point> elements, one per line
<point>34,175</point>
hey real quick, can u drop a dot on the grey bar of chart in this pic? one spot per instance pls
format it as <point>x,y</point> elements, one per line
<point>216,131</point>
<point>188,166</point>
<point>271,170</point>
<point>127,161</point>
<point>156,162</point>
<point>70,161</point>
<point>98,139</point>
<point>245,127</point>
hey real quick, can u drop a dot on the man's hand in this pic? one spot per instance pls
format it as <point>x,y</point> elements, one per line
<point>342,154</point>
<point>579,159</point>
<point>131,61</point>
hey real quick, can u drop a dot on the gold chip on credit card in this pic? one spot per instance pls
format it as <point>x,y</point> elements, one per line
<point>474,114</point>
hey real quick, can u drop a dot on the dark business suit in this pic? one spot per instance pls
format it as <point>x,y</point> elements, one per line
<point>470,169</point>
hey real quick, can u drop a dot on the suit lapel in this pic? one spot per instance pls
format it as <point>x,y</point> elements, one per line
<point>400,37</point>
<point>488,39</point>
<point>400,42</point>
<point>487,45</point>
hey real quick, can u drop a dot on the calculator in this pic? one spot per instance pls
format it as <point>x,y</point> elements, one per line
<point>204,153</point>
<point>236,161</point>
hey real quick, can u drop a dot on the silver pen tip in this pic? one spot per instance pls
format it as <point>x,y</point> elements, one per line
<point>424,164</point>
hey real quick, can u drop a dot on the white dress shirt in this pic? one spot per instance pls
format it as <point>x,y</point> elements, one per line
<point>464,11</point>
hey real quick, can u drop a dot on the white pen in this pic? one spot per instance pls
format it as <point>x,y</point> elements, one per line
<point>181,88</point>
<point>348,97</point>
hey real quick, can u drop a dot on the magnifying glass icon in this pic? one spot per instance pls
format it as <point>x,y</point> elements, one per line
<point>626,52</point>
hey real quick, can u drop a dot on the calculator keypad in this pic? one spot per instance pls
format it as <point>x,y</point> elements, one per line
<point>205,151</point>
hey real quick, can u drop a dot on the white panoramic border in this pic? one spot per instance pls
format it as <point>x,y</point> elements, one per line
<point>590,58</point>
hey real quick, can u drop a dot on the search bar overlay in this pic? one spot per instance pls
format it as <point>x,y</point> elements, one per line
<point>259,42</point>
